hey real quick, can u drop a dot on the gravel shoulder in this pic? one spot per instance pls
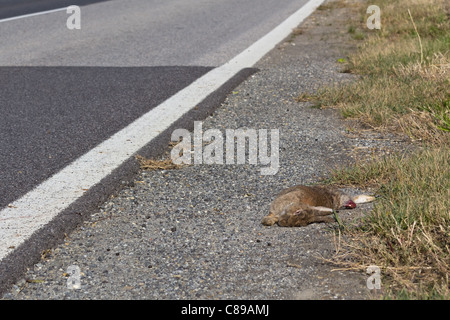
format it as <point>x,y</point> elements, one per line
<point>196,232</point>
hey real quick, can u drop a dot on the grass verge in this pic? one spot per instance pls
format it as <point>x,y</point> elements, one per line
<point>407,234</point>
<point>403,87</point>
<point>404,70</point>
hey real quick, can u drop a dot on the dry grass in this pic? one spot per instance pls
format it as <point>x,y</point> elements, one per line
<point>412,98</point>
<point>155,164</point>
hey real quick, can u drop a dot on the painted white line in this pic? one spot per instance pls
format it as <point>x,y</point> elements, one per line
<point>39,206</point>
<point>32,14</point>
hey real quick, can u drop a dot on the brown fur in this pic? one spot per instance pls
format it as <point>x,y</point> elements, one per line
<point>300,205</point>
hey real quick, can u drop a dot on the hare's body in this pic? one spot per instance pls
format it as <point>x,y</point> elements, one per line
<point>300,205</point>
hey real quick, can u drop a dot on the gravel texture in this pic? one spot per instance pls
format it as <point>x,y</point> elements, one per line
<point>196,232</point>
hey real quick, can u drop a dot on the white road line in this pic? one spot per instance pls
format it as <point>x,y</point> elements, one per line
<point>32,14</point>
<point>39,206</point>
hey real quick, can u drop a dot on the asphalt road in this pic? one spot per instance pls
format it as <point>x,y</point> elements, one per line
<point>53,115</point>
<point>143,33</point>
<point>14,8</point>
<point>71,89</point>
<point>62,92</point>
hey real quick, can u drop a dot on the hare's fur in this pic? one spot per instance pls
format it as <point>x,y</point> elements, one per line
<point>300,205</point>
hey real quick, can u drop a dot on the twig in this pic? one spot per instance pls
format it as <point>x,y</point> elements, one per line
<point>290,264</point>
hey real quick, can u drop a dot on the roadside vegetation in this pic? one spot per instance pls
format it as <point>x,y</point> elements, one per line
<point>403,87</point>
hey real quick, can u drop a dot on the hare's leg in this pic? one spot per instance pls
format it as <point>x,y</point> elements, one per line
<point>300,216</point>
<point>270,219</point>
<point>320,214</point>
<point>321,211</point>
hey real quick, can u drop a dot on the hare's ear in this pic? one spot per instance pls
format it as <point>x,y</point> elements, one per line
<point>362,198</point>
